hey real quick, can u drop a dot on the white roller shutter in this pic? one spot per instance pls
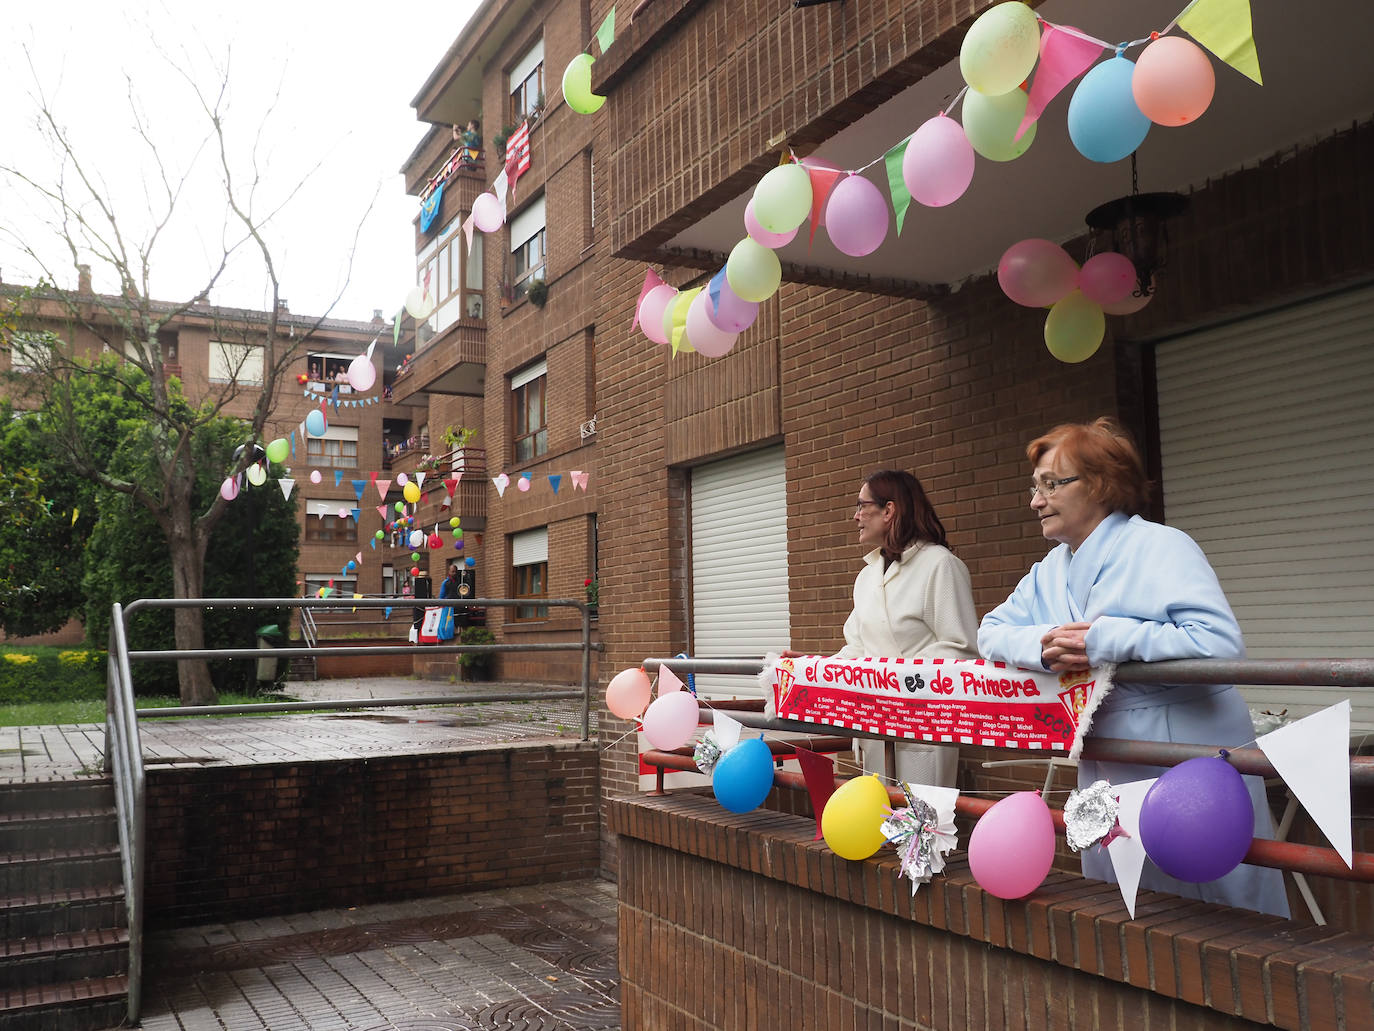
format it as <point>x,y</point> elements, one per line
<point>739,563</point>
<point>1267,445</point>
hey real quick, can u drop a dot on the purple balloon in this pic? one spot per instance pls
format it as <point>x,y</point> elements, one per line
<point>856,216</point>
<point>734,314</point>
<point>1197,821</point>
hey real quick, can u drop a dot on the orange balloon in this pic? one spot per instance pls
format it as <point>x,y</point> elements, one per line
<point>628,693</point>
<point>1173,81</point>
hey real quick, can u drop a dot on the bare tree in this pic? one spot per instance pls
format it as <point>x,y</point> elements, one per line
<point>82,218</point>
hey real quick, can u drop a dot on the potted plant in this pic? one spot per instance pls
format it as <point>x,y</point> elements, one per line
<point>475,665</point>
<point>537,292</point>
<point>593,589</point>
<point>457,438</point>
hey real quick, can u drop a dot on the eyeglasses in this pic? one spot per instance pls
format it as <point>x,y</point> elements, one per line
<point>1046,488</point>
<point>862,503</point>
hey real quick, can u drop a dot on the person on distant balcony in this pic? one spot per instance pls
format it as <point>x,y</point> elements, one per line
<point>471,140</point>
<point>1119,588</point>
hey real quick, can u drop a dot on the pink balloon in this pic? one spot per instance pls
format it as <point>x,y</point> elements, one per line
<point>487,214</point>
<point>1037,273</point>
<point>362,374</point>
<point>763,236</point>
<point>708,338</point>
<point>1130,304</point>
<point>315,476</point>
<point>732,313</point>
<point>1011,848</point>
<point>651,311</point>
<point>628,693</point>
<point>937,166</point>
<point>229,489</point>
<point>856,216</point>
<point>1107,278</point>
<point>1173,81</point>
<point>671,720</point>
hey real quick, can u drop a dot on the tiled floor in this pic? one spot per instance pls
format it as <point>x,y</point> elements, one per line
<point>540,957</point>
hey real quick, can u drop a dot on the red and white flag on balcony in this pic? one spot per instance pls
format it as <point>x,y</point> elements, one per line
<point>518,154</point>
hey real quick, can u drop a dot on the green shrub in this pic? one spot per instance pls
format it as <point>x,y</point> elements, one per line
<point>41,674</point>
<point>476,665</point>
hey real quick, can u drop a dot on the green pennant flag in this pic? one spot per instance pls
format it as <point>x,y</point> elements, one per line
<point>901,196</point>
<point>396,329</point>
<point>605,35</point>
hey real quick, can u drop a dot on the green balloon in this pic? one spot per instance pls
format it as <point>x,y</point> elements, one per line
<point>400,506</point>
<point>577,86</point>
<point>380,535</point>
<point>753,271</point>
<point>1074,328</point>
<point>279,450</point>
<point>990,123</point>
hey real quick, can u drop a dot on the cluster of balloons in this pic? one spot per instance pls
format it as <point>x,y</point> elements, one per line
<point>1040,274</point>
<point>700,323</point>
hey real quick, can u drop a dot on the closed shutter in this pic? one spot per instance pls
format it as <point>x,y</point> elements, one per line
<point>739,563</point>
<point>1267,445</point>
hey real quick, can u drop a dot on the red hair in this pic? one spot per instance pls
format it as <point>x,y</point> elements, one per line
<point>1105,458</point>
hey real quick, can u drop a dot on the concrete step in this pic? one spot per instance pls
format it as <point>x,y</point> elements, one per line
<point>87,1005</point>
<point>25,873</point>
<point>57,958</point>
<point>66,911</point>
<point>53,796</point>
<point>44,830</point>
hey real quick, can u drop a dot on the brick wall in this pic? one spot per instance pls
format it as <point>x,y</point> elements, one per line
<point>743,921</point>
<point>227,843</point>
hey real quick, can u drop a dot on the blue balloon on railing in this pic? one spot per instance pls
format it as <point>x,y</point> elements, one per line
<point>743,776</point>
<point>1105,124</point>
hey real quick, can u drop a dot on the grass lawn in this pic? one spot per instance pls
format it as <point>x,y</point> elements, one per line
<point>50,714</point>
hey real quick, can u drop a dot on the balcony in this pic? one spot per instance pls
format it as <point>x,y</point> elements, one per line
<point>452,362</point>
<point>470,500</point>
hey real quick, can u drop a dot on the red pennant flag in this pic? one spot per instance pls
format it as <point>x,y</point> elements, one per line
<point>823,180</point>
<point>819,772</point>
<point>451,485</point>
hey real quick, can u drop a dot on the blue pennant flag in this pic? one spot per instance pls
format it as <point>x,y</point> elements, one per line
<point>554,480</point>
<point>358,486</point>
<point>429,208</point>
<point>386,612</point>
<point>713,290</point>
<point>358,514</point>
<point>338,477</point>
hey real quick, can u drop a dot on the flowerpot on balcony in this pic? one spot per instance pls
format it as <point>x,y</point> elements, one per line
<point>538,292</point>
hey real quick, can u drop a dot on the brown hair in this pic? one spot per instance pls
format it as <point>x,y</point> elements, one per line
<point>1106,459</point>
<point>915,520</point>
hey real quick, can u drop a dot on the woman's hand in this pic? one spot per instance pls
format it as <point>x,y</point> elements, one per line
<point>1065,648</point>
<point>791,653</point>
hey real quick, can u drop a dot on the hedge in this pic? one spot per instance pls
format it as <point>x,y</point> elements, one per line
<point>50,675</point>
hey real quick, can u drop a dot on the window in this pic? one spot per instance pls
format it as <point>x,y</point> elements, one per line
<point>527,245</point>
<point>530,571</point>
<point>530,407</point>
<point>240,364</point>
<point>338,448</point>
<point>328,370</point>
<point>389,580</point>
<point>527,84</point>
<point>344,587</point>
<point>455,275</point>
<point>324,525</point>
<point>28,350</point>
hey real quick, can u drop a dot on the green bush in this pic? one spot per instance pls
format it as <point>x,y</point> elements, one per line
<point>41,674</point>
<point>476,665</point>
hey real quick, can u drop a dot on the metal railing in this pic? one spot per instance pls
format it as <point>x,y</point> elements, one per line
<point>1283,855</point>
<point>124,753</point>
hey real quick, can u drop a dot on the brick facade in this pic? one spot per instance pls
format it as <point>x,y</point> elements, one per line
<point>238,842</point>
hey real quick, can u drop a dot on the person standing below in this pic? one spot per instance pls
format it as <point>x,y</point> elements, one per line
<point>1119,588</point>
<point>913,599</point>
<point>448,589</point>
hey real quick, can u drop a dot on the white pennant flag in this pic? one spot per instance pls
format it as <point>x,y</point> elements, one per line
<point>1313,758</point>
<point>286,484</point>
<point>727,730</point>
<point>1127,851</point>
<point>420,479</point>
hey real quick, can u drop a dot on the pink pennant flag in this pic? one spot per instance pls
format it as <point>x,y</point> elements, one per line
<point>381,511</point>
<point>358,558</point>
<point>382,487</point>
<point>579,478</point>
<point>1064,56</point>
<point>667,681</point>
<point>468,226</point>
<point>651,280</point>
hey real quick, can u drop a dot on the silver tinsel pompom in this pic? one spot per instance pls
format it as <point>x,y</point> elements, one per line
<point>707,753</point>
<point>1089,815</point>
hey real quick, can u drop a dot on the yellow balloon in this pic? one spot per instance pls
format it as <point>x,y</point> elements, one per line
<point>577,86</point>
<point>1074,328</point>
<point>753,271</point>
<point>990,123</point>
<point>1000,48</point>
<point>853,817</point>
<point>411,492</point>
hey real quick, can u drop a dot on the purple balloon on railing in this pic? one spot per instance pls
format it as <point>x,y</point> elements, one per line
<point>1197,822</point>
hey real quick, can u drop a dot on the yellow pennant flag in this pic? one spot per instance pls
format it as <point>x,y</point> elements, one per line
<point>680,305</point>
<point>75,512</point>
<point>1223,27</point>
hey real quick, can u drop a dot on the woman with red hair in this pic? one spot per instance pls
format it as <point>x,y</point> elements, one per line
<point>1119,588</point>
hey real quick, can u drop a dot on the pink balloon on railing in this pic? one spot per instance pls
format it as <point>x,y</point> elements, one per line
<point>1011,849</point>
<point>1107,278</point>
<point>937,165</point>
<point>651,310</point>
<point>671,720</point>
<point>856,216</point>
<point>628,693</point>
<point>763,236</point>
<point>1036,273</point>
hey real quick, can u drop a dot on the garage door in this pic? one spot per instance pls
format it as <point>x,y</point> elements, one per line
<point>1267,444</point>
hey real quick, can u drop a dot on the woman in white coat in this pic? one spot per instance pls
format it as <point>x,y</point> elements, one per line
<point>1119,588</point>
<point>913,599</point>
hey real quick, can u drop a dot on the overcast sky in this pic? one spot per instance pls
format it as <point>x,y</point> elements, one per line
<point>342,75</point>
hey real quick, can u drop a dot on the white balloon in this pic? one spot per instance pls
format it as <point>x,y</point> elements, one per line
<point>420,304</point>
<point>362,374</point>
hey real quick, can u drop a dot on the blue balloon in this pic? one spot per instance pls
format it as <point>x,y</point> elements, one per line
<point>314,423</point>
<point>1104,122</point>
<point>743,776</point>
<point>470,561</point>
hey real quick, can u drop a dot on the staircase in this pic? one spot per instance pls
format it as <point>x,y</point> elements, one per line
<point>64,940</point>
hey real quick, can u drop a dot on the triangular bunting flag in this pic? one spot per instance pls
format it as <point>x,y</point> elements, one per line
<point>727,729</point>
<point>382,487</point>
<point>668,682</point>
<point>357,514</point>
<point>420,479</point>
<point>373,542</point>
<point>381,511</point>
<point>1223,27</point>
<point>338,477</point>
<point>372,478</point>
<point>554,480</point>
<point>284,483</point>
<point>396,328</point>
<point>605,35</point>
<point>1313,758</point>
<point>579,479</point>
<point>1064,56</point>
<point>681,303</point>
<point>358,486</point>
<point>451,484</point>
<point>819,773</point>
<point>651,280</point>
<point>901,196</point>
<point>823,180</point>
<point>468,226</point>
<point>386,612</point>
<point>501,482</point>
<point>1126,851</point>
